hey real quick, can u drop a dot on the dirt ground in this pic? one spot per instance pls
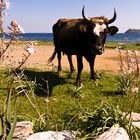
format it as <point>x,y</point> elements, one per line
<point>107,61</point>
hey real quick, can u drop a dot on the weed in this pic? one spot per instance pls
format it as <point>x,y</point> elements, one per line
<point>129,72</point>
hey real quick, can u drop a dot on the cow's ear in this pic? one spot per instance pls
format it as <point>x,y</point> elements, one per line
<point>112,30</point>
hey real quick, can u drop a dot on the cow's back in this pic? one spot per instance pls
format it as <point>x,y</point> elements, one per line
<point>67,35</point>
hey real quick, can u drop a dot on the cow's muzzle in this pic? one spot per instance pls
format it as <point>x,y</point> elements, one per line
<point>100,50</point>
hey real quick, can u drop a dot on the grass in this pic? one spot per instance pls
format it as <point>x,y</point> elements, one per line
<point>66,104</point>
<point>135,46</point>
<point>38,43</point>
<point>65,101</point>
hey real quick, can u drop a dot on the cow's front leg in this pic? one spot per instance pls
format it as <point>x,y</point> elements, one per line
<point>59,62</point>
<point>79,67</point>
<point>92,73</point>
<point>91,60</point>
<point>71,63</point>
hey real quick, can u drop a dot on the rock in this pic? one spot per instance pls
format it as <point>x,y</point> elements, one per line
<point>137,124</point>
<point>52,135</point>
<point>134,116</point>
<point>23,130</point>
<point>114,133</point>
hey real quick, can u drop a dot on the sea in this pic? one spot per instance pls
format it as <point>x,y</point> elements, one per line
<point>129,38</point>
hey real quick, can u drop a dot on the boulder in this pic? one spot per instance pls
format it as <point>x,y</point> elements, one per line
<point>52,135</point>
<point>114,133</point>
<point>23,130</point>
<point>135,118</point>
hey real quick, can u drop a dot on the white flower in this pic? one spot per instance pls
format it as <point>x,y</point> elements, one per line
<point>15,27</point>
<point>7,5</point>
<point>131,60</point>
<point>21,30</point>
<point>117,49</point>
<point>129,71</point>
<point>30,49</point>
<point>135,90</point>
<point>128,52</point>
<point>6,14</point>
<point>135,52</point>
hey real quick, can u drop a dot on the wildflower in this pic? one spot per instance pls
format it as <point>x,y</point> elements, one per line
<point>129,71</point>
<point>21,30</point>
<point>4,5</point>
<point>118,48</point>
<point>6,14</point>
<point>131,60</point>
<point>30,49</point>
<point>135,90</point>
<point>7,5</point>
<point>135,52</point>
<point>15,27</point>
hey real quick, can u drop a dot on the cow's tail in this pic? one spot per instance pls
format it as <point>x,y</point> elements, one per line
<point>55,32</point>
<point>52,57</point>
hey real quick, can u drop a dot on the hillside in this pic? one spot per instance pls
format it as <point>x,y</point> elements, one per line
<point>133,31</point>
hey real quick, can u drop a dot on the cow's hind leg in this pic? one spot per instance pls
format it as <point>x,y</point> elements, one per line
<point>59,61</point>
<point>71,63</point>
<point>80,67</point>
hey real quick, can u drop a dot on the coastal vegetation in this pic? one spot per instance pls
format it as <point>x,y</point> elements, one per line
<point>45,96</point>
<point>64,106</point>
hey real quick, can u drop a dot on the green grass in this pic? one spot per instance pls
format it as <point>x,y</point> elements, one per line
<point>135,46</point>
<point>38,43</point>
<point>66,102</point>
<point>44,43</point>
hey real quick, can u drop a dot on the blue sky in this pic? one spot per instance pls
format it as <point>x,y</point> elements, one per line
<point>40,15</point>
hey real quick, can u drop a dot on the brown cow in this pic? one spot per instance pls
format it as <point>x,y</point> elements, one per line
<point>81,37</point>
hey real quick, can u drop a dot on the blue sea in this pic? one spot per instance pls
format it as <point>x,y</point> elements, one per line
<point>119,37</point>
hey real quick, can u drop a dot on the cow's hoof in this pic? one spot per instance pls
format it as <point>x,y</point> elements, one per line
<point>95,77</point>
<point>72,70</point>
<point>59,71</point>
<point>78,84</point>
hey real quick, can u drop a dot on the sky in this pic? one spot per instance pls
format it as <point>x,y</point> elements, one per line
<point>40,15</point>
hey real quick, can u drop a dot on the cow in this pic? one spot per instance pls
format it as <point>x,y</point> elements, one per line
<point>83,37</point>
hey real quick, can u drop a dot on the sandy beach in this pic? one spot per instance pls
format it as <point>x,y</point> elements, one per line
<point>107,61</point>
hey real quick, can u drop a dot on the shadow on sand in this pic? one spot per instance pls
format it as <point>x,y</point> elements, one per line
<point>45,81</point>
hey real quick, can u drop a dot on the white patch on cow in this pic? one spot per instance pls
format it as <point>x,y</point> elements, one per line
<point>99,28</point>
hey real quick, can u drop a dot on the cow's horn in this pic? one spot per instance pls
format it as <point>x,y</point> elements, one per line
<point>84,14</point>
<point>114,17</point>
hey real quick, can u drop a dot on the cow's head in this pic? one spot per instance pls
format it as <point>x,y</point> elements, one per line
<point>98,27</point>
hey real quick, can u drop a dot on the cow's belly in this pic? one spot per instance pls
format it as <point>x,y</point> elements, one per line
<point>69,49</point>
